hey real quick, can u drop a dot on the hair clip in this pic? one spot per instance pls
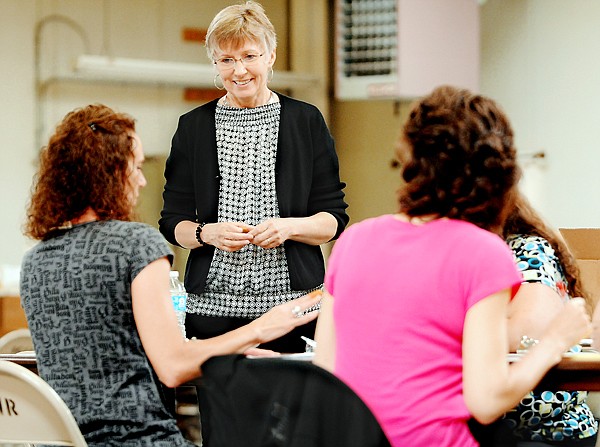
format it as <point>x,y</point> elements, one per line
<point>92,126</point>
<point>67,225</point>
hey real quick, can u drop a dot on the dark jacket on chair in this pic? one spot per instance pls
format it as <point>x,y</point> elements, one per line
<point>277,402</point>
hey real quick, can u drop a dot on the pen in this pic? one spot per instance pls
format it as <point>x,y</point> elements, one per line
<point>309,342</point>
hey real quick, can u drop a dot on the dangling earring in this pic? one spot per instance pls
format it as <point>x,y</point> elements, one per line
<point>271,74</point>
<point>217,76</point>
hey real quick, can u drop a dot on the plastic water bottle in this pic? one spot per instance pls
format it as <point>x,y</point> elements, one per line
<point>179,298</point>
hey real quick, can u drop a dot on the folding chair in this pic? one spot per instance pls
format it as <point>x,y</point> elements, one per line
<point>278,402</point>
<point>16,341</point>
<point>32,412</point>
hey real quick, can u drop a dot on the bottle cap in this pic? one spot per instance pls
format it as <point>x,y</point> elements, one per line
<point>174,274</point>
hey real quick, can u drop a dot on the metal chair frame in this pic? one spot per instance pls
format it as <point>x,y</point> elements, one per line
<point>32,412</point>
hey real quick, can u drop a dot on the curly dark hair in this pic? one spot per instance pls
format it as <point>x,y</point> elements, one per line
<point>459,158</point>
<point>85,165</point>
<point>523,219</point>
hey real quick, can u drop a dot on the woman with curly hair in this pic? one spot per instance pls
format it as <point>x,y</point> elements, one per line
<point>550,279</point>
<point>95,289</point>
<point>414,314</point>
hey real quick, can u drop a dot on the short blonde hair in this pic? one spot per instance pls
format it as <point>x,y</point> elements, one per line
<point>238,24</point>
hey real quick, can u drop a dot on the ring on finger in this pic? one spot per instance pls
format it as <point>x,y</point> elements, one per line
<point>297,311</point>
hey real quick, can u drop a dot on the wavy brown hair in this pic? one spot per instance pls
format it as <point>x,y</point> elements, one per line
<point>85,165</point>
<point>459,158</point>
<point>524,220</point>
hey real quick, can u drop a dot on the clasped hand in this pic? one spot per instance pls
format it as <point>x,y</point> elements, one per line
<point>233,236</point>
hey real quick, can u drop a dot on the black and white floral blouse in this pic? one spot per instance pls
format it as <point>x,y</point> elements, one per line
<point>547,415</point>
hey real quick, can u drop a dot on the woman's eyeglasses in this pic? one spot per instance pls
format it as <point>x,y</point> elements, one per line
<point>227,63</point>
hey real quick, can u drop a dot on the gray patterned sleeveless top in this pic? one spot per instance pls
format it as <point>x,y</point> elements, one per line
<point>76,292</point>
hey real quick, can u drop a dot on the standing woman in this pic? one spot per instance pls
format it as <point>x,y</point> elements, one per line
<point>416,324</point>
<point>252,187</point>
<point>95,289</point>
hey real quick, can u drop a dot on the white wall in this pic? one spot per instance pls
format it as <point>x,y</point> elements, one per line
<point>540,61</point>
<point>16,123</point>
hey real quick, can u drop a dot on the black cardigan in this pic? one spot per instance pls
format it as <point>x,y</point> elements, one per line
<point>306,178</point>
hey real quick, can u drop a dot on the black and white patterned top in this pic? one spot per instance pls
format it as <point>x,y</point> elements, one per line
<point>556,416</point>
<point>248,282</point>
<point>76,292</point>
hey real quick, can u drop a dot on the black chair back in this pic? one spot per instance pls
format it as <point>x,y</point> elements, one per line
<point>278,402</point>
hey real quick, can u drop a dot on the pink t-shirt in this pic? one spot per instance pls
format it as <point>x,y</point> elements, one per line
<point>401,295</point>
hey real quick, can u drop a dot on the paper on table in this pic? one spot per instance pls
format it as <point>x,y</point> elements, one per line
<point>19,356</point>
<point>583,356</point>
<point>303,356</point>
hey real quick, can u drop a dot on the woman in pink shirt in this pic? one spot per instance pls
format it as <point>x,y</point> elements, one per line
<point>414,314</point>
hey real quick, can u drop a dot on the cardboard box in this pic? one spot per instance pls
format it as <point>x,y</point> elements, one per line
<point>12,315</point>
<point>584,243</point>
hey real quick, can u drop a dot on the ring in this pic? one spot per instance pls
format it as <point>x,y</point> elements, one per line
<point>297,311</point>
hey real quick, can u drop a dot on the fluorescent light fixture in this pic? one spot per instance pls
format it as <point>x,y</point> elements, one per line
<point>125,70</point>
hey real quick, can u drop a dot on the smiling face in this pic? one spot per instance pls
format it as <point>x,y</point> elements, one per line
<point>246,85</point>
<point>136,178</point>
